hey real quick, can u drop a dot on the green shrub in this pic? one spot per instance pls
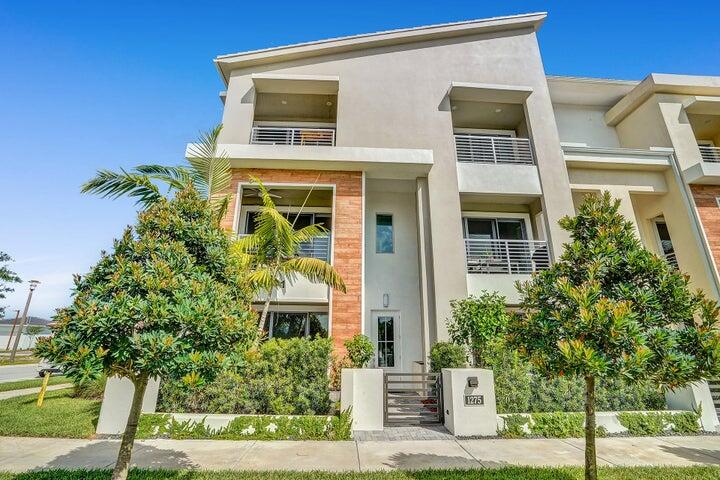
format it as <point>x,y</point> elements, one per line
<point>640,424</point>
<point>447,355</point>
<point>513,390</point>
<point>360,351</point>
<point>251,427</point>
<point>477,323</point>
<point>558,424</point>
<point>281,377</point>
<point>91,389</point>
<point>655,423</point>
<point>514,426</point>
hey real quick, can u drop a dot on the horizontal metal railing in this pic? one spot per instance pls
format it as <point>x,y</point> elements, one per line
<point>671,258</point>
<point>486,149</point>
<point>506,256</point>
<point>317,247</point>
<point>710,154</point>
<point>292,136</point>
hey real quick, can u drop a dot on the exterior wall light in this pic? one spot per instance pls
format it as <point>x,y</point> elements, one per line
<point>386,300</point>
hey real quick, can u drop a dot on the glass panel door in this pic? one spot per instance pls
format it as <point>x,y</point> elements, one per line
<point>386,337</point>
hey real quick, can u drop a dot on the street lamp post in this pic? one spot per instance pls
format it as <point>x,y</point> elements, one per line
<point>33,285</point>
<point>17,317</point>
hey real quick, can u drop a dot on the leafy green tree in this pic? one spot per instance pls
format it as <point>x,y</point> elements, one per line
<point>209,173</point>
<point>608,308</point>
<point>477,323</point>
<point>360,350</point>
<point>7,277</point>
<point>271,251</point>
<point>167,302</point>
<point>447,355</point>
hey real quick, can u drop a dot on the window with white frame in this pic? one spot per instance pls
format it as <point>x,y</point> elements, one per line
<point>297,324</point>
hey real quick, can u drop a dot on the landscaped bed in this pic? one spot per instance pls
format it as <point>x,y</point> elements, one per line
<point>62,415</point>
<point>508,473</point>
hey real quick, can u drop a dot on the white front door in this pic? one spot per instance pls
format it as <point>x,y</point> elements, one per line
<point>386,336</point>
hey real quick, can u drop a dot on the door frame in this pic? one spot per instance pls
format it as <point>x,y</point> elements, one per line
<point>397,335</point>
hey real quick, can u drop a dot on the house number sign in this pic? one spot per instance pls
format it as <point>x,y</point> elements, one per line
<point>474,400</point>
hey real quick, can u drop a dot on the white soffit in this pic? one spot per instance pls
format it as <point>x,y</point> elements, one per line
<point>703,105</point>
<point>598,92</point>
<point>486,92</point>
<point>299,84</point>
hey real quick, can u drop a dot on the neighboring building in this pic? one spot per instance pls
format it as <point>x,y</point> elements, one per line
<point>441,159</point>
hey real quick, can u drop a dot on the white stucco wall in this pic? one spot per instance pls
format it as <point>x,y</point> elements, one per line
<point>394,273</point>
<point>584,124</point>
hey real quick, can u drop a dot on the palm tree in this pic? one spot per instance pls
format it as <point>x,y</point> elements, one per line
<point>208,172</point>
<point>272,252</point>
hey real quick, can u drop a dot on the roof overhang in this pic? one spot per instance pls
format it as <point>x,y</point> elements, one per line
<point>599,92</point>
<point>227,63</point>
<point>392,163</point>
<point>299,84</point>
<point>485,92</point>
<point>702,105</point>
<point>662,83</point>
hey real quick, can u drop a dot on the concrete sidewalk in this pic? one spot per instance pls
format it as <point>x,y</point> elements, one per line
<point>23,454</point>
<point>28,391</point>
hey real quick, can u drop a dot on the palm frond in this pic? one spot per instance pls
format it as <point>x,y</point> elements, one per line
<point>109,184</point>
<point>176,177</point>
<point>264,193</point>
<point>308,233</point>
<point>263,279</point>
<point>219,206</point>
<point>211,166</point>
<point>315,270</point>
<point>276,233</point>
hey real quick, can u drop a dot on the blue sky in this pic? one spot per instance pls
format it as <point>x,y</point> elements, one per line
<point>88,85</point>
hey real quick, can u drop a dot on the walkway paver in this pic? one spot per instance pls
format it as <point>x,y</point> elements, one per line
<point>28,391</point>
<point>22,454</point>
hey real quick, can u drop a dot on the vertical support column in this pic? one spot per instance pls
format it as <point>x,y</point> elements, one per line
<point>626,207</point>
<point>362,390</point>
<point>427,291</point>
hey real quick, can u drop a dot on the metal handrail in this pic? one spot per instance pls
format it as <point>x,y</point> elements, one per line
<point>506,256</point>
<point>488,149</point>
<point>671,258</point>
<point>710,154</point>
<point>316,247</point>
<point>292,136</point>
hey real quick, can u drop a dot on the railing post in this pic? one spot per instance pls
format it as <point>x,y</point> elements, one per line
<point>507,252</point>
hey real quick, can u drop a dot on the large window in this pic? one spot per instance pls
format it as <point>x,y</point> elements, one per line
<point>300,220</point>
<point>297,324</point>
<point>494,228</point>
<point>384,234</point>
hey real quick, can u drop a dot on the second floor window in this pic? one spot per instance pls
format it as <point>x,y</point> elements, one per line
<point>384,234</point>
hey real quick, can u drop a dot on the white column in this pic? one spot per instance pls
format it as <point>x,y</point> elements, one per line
<point>469,401</point>
<point>362,390</point>
<point>116,403</point>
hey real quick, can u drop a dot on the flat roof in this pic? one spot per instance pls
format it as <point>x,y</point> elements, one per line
<point>226,63</point>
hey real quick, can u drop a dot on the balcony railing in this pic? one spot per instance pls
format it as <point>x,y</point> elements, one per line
<point>710,154</point>
<point>671,258</point>
<point>292,136</point>
<point>318,247</point>
<point>506,256</point>
<point>487,149</point>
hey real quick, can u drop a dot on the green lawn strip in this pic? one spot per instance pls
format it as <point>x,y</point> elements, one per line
<point>35,382</point>
<point>19,360</point>
<point>60,416</point>
<point>507,473</point>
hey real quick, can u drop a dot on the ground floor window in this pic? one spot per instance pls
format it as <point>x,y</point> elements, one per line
<point>297,324</point>
<point>386,340</point>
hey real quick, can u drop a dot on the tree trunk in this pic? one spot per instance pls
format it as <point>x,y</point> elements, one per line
<point>263,317</point>
<point>590,453</point>
<point>122,464</point>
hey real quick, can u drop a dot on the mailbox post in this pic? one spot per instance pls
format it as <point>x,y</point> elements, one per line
<point>469,402</point>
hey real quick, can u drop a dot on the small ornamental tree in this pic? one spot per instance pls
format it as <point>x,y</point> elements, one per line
<point>167,302</point>
<point>477,323</point>
<point>609,309</point>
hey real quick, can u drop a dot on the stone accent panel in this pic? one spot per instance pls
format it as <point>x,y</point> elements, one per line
<point>709,212</point>
<point>346,308</point>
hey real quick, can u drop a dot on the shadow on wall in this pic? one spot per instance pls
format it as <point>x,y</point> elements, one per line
<point>102,454</point>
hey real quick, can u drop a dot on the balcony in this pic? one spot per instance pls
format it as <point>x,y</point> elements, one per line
<point>318,247</point>
<point>510,257</point>
<point>293,136</point>
<point>492,149</point>
<point>710,154</point>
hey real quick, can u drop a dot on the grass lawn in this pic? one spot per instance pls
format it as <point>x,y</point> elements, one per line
<point>35,382</point>
<point>19,360</point>
<point>509,473</point>
<point>60,416</point>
